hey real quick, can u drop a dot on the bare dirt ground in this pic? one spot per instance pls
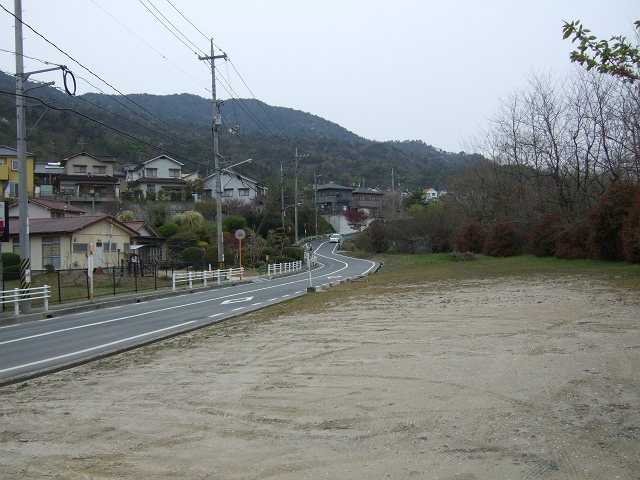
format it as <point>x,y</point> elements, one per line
<point>476,379</point>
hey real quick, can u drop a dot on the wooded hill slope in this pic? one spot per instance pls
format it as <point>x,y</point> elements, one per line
<point>141,126</point>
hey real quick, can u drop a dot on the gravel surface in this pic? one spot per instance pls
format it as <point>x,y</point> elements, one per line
<point>478,379</point>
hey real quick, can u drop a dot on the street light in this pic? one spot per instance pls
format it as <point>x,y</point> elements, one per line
<point>284,209</point>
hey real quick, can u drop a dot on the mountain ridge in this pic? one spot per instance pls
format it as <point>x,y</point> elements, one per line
<point>141,126</point>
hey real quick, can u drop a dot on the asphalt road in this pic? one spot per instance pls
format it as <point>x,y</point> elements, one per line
<point>38,347</point>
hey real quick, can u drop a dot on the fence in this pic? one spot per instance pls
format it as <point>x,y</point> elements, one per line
<point>74,285</point>
<point>280,268</point>
<point>203,276</point>
<point>18,294</point>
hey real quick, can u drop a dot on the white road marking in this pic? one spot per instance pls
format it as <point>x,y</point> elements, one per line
<point>79,352</point>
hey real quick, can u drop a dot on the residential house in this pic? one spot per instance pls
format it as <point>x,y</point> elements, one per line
<point>87,177</point>
<point>44,208</point>
<point>429,194</point>
<point>333,198</point>
<point>236,187</point>
<point>9,173</point>
<point>368,199</point>
<point>65,242</point>
<point>148,246</point>
<point>44,177</point>
<point>161,176</point>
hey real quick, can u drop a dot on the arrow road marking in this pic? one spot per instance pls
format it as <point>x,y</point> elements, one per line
<point>236,300</point>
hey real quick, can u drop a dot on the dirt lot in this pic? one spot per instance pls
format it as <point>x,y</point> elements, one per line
<point>475,379</point>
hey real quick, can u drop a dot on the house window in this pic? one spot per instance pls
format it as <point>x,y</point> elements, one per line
<point>51,251</point>
<point>109,247</point>
<point>16,247</point>
<point>67,189</point>
<point>11,189</point>
<point>228,192</point>
<point>15,165</point>
<point>174,172</point>
<point>79,169</point>
<point>80,248</point>
<point>150,172</point>
<point>101,191</point>
<point>243,192</point>
<point>100,170</point>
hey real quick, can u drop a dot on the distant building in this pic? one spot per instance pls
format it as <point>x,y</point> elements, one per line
<point>9,178</point>
<point>236,187</point>
<point>368,199</point>
<point>86,177</point>
<point>45,208</point>
<point>159,174</point>
<point>333,198</point>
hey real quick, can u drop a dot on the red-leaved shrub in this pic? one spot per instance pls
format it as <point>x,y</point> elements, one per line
<point>543,235</point>
<point>630,233</point>
<point>504,240</point>
<point>472,238</point>
<point>606,219</point>
<point>573,241</point>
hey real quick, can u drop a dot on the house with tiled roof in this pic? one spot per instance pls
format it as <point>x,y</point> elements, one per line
<point>87,177</point>
<point>158,177</point>
<point>235,186</point>
<point>150,246</point>
<point>45,208</point>
<point>64,242</point>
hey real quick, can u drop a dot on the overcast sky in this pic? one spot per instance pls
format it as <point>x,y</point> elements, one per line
<point>385,70</point>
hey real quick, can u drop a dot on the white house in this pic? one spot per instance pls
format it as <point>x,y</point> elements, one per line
<point>236,187</point>
<point>161,173</point>
<point>429,194</point>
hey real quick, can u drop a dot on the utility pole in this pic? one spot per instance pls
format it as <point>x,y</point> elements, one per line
<point>217,121</point>
<point>295,195</point>
<point>21,141</point>
<point>315,197</point>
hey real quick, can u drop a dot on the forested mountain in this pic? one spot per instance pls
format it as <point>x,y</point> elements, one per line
<point>141,126</point>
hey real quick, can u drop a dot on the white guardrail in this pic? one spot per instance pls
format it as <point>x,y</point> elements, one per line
<point>16,295</point>
<point>216,275</point>
<point>280,268</point>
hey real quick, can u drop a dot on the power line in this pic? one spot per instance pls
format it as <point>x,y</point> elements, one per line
<point>102,124</point>
<point>168,29</point>
<point>152,47</point>
<point>206,37</point>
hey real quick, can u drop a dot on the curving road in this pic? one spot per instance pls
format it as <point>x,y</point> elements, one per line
<point>34,348</point>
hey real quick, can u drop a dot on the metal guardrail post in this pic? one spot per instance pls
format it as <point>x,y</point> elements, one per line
<point>16,301</point>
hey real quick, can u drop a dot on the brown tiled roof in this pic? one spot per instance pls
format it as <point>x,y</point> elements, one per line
<point>71,224</point>
<point>54,205</point>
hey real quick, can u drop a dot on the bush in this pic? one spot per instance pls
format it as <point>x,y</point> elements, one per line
<point>12,272</point>
<point>573,241</point>
<point>294,252</point>
<point>168,229</point>
<point>472,238</point>
<point>606,219</point>
<point>373,238</point>
<point>544,234</point>
<point>10,258</point>
<point>630,233</point>
<point>462,257</point>
<point>50,268</point>
<point>192,256</point>
<point>231,223</point>
<point>178,242</point>
<point>504,240</point>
